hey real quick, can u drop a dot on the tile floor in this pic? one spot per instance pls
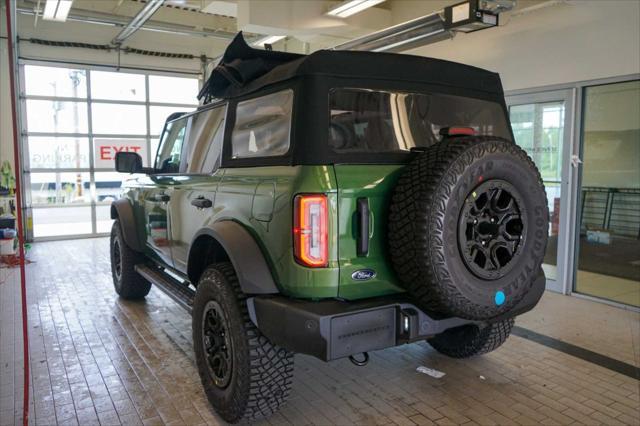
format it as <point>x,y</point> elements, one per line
<point>96,359</point>
<point>613,288</point>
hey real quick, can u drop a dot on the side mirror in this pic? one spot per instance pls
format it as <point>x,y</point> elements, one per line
<point>129,162</point>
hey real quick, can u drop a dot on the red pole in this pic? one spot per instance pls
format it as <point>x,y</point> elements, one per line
<point>18,168</point>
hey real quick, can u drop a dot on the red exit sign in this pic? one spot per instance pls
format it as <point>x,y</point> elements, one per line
<point>105,150</point>
<point>109,152</point>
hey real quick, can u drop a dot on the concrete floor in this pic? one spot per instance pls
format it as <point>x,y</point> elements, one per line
<point>98,359</point>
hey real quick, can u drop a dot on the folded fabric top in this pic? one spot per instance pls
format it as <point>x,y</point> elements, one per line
<point>244,69</point>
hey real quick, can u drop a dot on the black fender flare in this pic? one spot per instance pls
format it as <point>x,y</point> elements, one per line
<point>122,210</point>
<point>254,274</point>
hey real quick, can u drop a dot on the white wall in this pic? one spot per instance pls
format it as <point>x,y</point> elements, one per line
<point>579,40</point>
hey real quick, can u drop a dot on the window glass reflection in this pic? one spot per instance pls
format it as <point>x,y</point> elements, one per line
<point>117,86</point>
<point>539,129</point>
<point>53,81</point>
<point>56,116</point>
<point>609,244</point>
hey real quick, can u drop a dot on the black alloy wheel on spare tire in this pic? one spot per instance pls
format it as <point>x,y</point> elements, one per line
<point>468,227</point>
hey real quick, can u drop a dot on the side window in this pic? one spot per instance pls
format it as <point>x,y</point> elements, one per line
<point>263,126</point>
<point>168,158</point>
<point>204,147</point>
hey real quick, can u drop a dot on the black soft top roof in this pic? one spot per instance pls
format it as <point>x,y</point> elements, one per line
<point>243,70</point>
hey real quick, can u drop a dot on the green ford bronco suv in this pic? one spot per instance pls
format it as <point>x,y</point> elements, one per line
<point>333,204</point>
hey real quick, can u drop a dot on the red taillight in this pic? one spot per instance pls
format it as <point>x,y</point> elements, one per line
<point>310,230</point>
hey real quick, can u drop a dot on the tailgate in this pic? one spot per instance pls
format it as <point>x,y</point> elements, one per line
<point>365,268</point>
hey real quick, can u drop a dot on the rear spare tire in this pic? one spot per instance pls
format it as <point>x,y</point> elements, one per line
<point>468,227</point>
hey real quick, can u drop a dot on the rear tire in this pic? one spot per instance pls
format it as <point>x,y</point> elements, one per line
<point>127,282</point>
<point>470,340</point>
<point>244,375</point>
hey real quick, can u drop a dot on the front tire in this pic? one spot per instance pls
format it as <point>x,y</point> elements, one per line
<point>127,282</point>
<point>244,375</point>
<point>470,340</point>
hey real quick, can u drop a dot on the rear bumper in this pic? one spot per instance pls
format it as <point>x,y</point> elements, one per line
<point>332,329</point>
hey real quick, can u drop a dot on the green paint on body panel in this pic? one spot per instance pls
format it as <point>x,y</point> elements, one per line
<point>375,183</point>
<point>261,199</point>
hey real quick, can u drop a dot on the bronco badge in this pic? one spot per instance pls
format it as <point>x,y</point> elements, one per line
<point>363,275</point>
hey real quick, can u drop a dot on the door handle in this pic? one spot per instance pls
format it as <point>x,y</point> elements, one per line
<point>362,244</point>
<point>163,198</point>
<point>201,203</point>
<point>575,161</point>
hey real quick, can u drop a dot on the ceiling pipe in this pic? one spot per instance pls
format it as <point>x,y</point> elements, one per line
<point>138,21</point>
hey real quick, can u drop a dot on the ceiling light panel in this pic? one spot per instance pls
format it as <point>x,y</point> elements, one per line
<point>351,7</point>
<point>57,10</point>
<point>268,40</point>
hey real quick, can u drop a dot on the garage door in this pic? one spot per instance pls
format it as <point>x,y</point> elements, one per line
<point>77,118</point>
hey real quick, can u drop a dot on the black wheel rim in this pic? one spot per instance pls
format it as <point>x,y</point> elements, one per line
<point>492,229</point>
<point>116,259</point>
<point>217,344</point>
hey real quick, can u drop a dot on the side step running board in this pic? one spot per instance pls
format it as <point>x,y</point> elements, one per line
<point>179,292</point>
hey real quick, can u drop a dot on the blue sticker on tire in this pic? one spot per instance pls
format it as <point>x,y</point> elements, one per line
<point>500,297</point>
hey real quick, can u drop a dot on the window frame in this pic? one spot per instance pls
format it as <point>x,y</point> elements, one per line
<point>285,159</point>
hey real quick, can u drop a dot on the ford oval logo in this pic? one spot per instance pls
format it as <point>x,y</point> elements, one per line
<point>363,274</point>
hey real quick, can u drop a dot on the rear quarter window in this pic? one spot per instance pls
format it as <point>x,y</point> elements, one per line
<point>263,126</point>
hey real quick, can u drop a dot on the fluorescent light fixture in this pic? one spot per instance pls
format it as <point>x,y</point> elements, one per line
<point>404,36</point>
<point>351,7</point>
<point>57,10</point>
<point>268,40</point>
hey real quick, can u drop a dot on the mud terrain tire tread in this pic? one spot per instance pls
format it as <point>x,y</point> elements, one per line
<point>262,372</point>
<point>131,285</point>
<point>470,340</point>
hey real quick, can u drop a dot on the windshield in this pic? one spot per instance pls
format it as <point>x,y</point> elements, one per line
<point>385,122</point>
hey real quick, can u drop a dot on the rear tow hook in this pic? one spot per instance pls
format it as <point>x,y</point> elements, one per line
<point>360,363</point>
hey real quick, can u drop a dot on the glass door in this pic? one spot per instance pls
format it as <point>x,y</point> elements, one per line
<point>542,126</point>
<point>608,264</point>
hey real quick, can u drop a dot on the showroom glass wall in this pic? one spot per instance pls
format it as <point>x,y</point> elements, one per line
<point>608,263</point>
<point>74,120</point>
<point>590,163</point>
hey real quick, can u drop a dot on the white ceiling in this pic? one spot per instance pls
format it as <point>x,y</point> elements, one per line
<point>209,24</point>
